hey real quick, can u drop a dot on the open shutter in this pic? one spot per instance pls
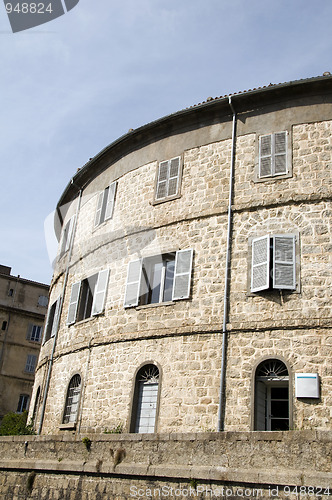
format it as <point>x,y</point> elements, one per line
<point>174,172</point>
<point>99,207</point>
<point>265,155</point>
<point>100,292</point>
<point>284,261</point>
<point>73,303</point>
<point>29,332</point>
<point>133,283</point>
<point>280,153</point>
<point>56,317</point>
<point>69,233</point>
<point>110,200</point>
<point>162,182</point>
<point>182,274</point>
<point>260,264</point>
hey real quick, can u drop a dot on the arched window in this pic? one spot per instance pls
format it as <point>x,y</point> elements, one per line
<point>72,400</point>
<point>271,396</point>
<point>145,400</point>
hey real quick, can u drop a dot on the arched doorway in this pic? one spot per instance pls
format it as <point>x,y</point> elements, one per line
<point>272,412</point>
<point>145,400</point>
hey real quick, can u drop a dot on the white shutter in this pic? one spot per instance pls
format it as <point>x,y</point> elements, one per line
<point>182,274</point>
<point>73,303</point>
<point>110,200</point>
<point>174,172</point>
<point>265,155</point>
<point>56,317</point>
<point>260,264</point>
<point>100,292</point>
<point>162,181</point>
<point>284,261</point>
<point>99,207</point>
<point>280,153</point>
<point>133,283</point>
<point>69,233</point>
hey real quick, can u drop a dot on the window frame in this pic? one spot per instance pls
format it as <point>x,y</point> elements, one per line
<point>31,333</point>
<point>105,199</point>
<point>143,288</point>
<point>52,320</point>
<point>21,399</point>
<point>71,424</point>
<point>289,167</point>
<point>296,265</point>
<point>157,201</point>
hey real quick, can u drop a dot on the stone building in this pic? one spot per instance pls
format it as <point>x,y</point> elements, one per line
<point>192,290</point>
<point>23,305</point>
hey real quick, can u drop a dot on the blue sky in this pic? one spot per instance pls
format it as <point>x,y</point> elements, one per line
<point>74,85</point>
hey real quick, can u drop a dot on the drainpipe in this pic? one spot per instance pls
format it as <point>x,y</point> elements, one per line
<point>60,311</point>
<point>227,273</point>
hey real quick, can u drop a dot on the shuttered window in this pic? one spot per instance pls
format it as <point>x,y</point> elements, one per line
<point>158,279</point>
<point>273,262</point>
<point>72,400</point>
<point>105,204</point>
<point>67,235</point>
<point>168,179</point>
<point>273,154</point>
<point>88,297</point>
<point>30,363</point>
<point>52,320</point>
<point>145,400</point>
<point>34,333</point>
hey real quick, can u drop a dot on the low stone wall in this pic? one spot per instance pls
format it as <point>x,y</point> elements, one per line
<point>295,464</point>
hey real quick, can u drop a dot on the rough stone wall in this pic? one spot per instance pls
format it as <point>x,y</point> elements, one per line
<point>184,337</point>
<point>232,465</point>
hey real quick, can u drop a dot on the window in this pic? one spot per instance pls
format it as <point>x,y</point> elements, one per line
<point>10,292</point>
<point>273,155</point>
<point>72,400</point>
<point>36,405</point>
<point>52,320</point>
<point>273,262</point>
<point>67,235</point>
<point>23,403</point>
<point>43,301</point>
<point>145,402</point>
<point>105,204</point>
<point>31,363</point>
<point>159,279</point>
<point>87,297</point>
<point>34,333</point>
<point>4,325</point>
<point>168,179</point>
<point>272,396</point>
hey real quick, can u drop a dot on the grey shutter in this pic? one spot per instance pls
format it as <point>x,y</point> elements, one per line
<point>29,332</point>
<point>162,181</point>
<point>100,292</point>
<point>174,172</point>
<point>99,207</point>
<point>265,155</point>
<point>56,317</point>
<point>260,263</point>
<point>46,323</point>
<point>182,274</point>
<point>69,233</point>
<point>133,283</point>
<point>284,261</point>
<point>73,303</point>
<point>110,200</point>
<point>280,153</point>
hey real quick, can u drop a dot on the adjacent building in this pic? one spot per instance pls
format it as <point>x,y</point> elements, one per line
<point>23,305</point>
<point>192,289</point>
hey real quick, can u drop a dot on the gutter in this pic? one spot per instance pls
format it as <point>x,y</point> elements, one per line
<point>60,311</point>
<point>222,399</point>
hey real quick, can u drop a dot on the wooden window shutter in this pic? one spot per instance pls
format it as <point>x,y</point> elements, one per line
<point>110,200</point>
<point>182,274</point>
<point>133,283</point>
<point>162,181</point>
<point>100,292</point>
<point>280,153</point>
<point>56,317</point>
<point>29,332</point>
<point>260,264</point>
<point>174,172</point>
<point>265,155</point>
<point>284,276</point>
<point>99,208</point>
<point>73,303</point>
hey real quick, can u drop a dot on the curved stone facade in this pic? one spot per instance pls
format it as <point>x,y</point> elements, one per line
<point>160,196</point>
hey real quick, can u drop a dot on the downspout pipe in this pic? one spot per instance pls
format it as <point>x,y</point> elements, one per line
<point>221,415</point>
<point>50,365</point>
